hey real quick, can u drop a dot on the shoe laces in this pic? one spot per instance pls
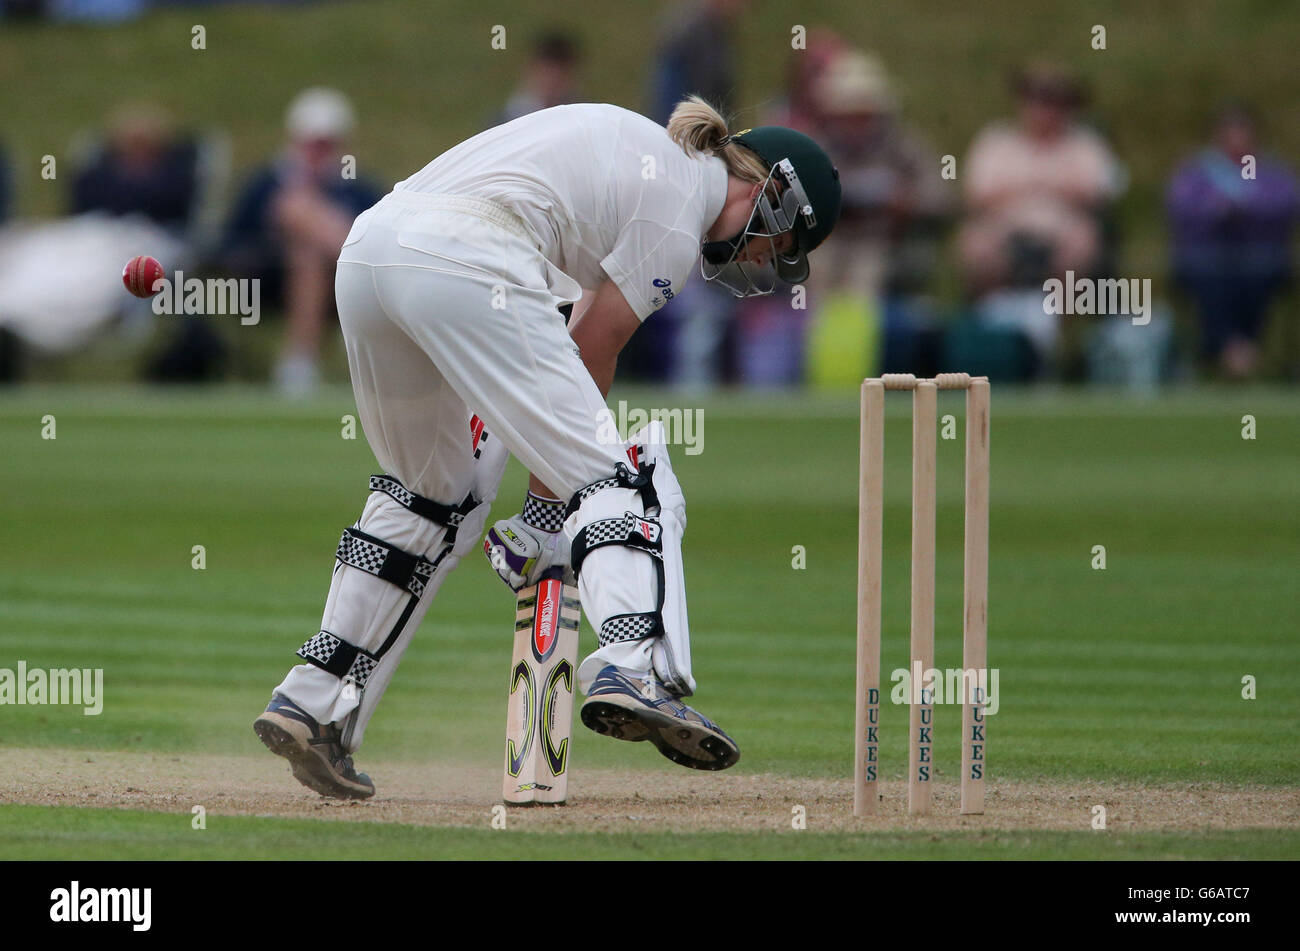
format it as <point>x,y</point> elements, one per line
<point>339,757</point>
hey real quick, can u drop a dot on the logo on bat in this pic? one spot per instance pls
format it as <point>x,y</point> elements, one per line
<point>547,622</point>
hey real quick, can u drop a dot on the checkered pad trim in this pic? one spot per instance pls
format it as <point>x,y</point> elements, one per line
<point>631,529</point>
<point>448,515</point>
<point>634,531</point>
<point>383,483</point>
<point>547,515</point>
<point>628,627</point>
<point>320,648</point>
<point>373,556</point>
<point>362,667</point>
<point>642,481</point>
<point>420,577</point>
<point>334,655</point>
<point>361,554</point>
<point>587,491</point>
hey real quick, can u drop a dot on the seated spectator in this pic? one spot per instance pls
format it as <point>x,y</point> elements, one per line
<point>799,108</point>
<point>1232,238</point>
<point>142,168</point>
<point>1035,189</point>
<point>289,224</point>
<point>888,174</point>
<point>886,241</point>
<point>550,78</point>
<point>132,190</point>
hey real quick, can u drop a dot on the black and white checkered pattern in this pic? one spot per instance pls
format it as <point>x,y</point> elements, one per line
<point>360,553</point>
<point>627,627</point>
<point>330,653</point>
<point>632,530</point>
<point>320,648</point>
<point>370,557</point>
<point>587,491</point>
<point>445,514</point>
<point>383,483</point>
<point>546,515</point>
<point>362,667</point>
<point>420,577</point>
<point>608,530</point>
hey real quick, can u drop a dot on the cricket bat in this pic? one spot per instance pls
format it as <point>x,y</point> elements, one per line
<point>539,715</point>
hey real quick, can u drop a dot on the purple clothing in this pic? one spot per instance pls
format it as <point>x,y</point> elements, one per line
<point>1231,242</point>
<point>1217,216</point>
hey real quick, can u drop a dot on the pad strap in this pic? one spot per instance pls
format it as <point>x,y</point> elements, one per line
<point>630,627</point>
<point>334,655</point>
<point>623,478</point>
<point>439,513</point>
<point>632,531</point>
<point>375,556</point>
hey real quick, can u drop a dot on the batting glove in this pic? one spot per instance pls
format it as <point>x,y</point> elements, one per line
<point>521,548</point>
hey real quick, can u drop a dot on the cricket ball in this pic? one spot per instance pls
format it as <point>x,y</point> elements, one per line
<point>140,275</point>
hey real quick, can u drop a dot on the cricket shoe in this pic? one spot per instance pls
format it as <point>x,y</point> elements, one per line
<point>633,706</point>
<point>315,753</point>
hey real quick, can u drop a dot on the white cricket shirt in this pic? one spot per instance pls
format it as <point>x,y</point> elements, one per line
<point>604,191</point>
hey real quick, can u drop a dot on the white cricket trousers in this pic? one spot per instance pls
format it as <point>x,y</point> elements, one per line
<point>444,305</point>
<point>446,313</point>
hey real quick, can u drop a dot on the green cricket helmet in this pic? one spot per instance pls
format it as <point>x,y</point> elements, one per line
<point>801,196</point>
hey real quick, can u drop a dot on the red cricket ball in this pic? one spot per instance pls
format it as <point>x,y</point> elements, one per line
<point>140,275</point>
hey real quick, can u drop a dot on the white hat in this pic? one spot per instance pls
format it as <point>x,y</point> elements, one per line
<point>854,83</point>
<point>319,113</point>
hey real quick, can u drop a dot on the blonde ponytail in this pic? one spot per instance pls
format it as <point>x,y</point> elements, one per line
<point>699,129</point>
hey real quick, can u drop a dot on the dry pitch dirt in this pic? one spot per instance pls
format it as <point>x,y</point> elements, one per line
<point>615,801</point>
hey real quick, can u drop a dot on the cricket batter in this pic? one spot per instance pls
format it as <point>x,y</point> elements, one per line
<point>452,295</point>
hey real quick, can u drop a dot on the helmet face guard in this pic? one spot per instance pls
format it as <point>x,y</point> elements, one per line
<point>781,205</point>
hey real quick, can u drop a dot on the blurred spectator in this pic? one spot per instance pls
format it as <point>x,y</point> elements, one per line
<point>133,189</point>
<point>17,9</point>
<point>1035,189</point>
<point>866,284</point>
<point>95,11</point>
<point>769,333</point>
<point>686,342</point>
<point>799,109</point>
<point>894,197</point>
<point>9,345</point>
<point>1232,238</point>
<point>695,54</point>
<point>289,224</point>
<point>550,78</point>
<point>142,168</point>
<point>6,186</point>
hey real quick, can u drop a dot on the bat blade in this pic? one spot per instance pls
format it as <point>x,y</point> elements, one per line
<point>539,716</point>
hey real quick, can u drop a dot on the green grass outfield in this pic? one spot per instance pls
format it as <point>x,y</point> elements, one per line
<point>44,833</point>
<point>1128,675</point>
